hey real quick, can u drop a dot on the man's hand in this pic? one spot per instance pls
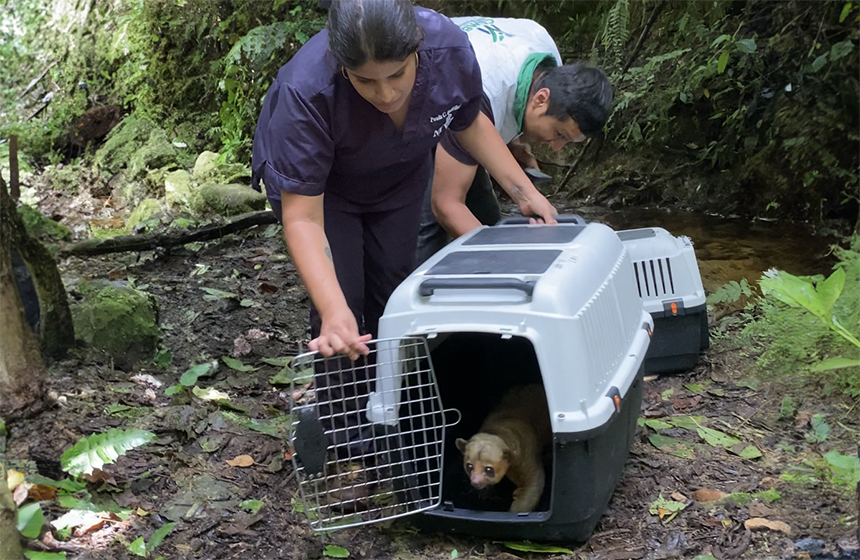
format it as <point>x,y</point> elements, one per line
<point>536,205</point>
<point>339,335</point>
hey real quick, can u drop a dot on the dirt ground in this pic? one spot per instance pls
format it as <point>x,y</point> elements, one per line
<point>184,476</point>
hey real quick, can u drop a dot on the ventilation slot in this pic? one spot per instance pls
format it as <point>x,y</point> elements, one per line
<point>654,278</point>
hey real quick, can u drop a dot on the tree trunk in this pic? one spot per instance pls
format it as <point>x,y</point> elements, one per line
<point>56,331</point>
<point>10,539</point>
<point>22,371</point>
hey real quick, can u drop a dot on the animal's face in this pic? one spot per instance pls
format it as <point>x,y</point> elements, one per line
<point>485,459</point>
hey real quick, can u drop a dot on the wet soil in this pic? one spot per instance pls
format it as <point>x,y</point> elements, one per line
<point>184,476</point>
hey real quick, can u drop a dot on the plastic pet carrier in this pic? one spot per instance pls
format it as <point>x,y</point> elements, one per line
<point>499,307</point>
<point>668,281</point>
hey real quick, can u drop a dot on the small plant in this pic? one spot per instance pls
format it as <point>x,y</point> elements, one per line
<point>97,450</point>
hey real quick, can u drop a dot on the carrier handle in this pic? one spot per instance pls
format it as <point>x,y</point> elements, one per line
<point>574,219</point>
<point>430,285</point>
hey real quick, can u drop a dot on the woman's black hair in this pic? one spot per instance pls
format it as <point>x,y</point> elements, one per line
<point>378,30</point>
<point>580,92</point>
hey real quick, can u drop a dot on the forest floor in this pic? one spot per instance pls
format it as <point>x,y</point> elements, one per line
<point>184,476</point>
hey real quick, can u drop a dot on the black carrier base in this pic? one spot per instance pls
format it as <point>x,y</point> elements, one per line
<point>677,341</point>
<point>582,473</point>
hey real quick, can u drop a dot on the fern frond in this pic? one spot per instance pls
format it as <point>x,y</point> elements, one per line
<point>97,450</point>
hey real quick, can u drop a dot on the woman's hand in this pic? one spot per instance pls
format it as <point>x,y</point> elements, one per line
<point>339,335</point>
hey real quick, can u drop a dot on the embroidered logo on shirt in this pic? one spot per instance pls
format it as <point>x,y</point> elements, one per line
<point>448,116</point>
<point>486,25</point>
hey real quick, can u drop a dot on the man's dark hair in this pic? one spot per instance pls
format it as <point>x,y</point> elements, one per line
<point>580,92</point>
<point>379,30</point>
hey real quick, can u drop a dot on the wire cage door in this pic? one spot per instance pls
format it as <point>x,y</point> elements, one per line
<point>367,435</point>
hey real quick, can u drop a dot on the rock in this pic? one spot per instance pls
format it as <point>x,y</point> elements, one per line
<point>177,188</point>
<point>228,200</point>
<point>42,227</point>
<point>207,169</point>
<point>146,210</point>
<point>119,321</point>
<point>158,151</point>
<point>122,142</point>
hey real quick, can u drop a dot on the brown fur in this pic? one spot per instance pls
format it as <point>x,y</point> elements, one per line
<point>510,443</point>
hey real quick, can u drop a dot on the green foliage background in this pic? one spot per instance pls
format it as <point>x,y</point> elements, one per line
<point>743,107</point>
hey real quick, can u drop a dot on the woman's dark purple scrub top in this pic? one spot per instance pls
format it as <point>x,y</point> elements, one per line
<point>317,135</point>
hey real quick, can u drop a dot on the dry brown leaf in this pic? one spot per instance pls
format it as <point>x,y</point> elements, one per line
<point>707,495</point>
<point>99,475</point>
<point>241,347</point>
<point>241,461</point>
<point>288,456</point>
<point>90,527</point>
<point>678,497</point>
<point>267,288</point>
<point>681,403</point>
<point>760,523</point>
<point>39,492</point>
<point>802,419</point>
<point>758,509</point>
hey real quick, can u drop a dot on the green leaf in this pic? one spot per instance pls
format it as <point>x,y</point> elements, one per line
<point>686,422</point>
<point>66,484</point>
<point>30,520</point>
<point>746,46</point>
<point>527,546</point>
<point>768,496</point>
<point>283,377</point>
<point>173,389</point>
<point>191,376</point>
<point>716,438</point>
<point>750,452</point>
<point>137,546</point>
<point>36,555</point>
<point>213,295</point>
<point>656,424</point>
<point>666,509</point>
<point>819,62</point>
<point>835,363</point>
<point>333,551</point>
<point>253,506</point>
<point>162,359</point>
<point>846,9</point>
<point>158,536</point>
<point>672,446</point>
<point>839,50</point>
<point>820,429</point>
<point>719,40</point>
<point>210,394</point>
<point>280,361</point>
<point>454,554</point>
<point>237,365</point>
<point>97,450</point>
<point>667,394</point>
<point>722,62</point>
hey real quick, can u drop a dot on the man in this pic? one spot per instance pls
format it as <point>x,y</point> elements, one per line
<point>531,98</point>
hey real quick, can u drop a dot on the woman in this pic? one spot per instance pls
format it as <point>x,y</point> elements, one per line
<point>343,146</point>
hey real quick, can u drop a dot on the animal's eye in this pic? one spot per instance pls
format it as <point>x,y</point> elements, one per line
<point>489,471</point>
<point>469,467</point>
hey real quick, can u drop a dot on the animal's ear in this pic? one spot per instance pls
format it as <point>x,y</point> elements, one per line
<point>461,444</point>
<point>506,455</point>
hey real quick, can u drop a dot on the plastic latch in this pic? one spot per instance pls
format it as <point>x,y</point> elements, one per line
<point>615,395</point>
<point>674,308</point>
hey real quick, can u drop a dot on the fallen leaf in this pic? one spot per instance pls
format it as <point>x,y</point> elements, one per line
<point>89,528</point>
<point>678,497</point>
<point>110,223</point>
<point>802,420</point>
<point>20,494</point>
<point>760,523</point>
<point>681,404</point>
<point>707,495</point>
<point>288,456</point>
<point>99,475</point>
<point>257,334</point>
<point>758,509</point>
<point>241,461</point>
<point>267,288</point>
<point>40,492</point>
<point>116,274</point>
<point>241,347</point>
<point>14,478</point>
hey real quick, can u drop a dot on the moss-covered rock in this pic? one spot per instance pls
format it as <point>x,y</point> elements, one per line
<point>177,188</point>
<point>158,151</point>
<point>42,227</point>
<point>122,142</point>
<point>208,169</point>
<point>148,209</point>
<point>119,321</point>
<point>228,200</point>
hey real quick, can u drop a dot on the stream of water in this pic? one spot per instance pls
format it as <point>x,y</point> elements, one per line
<point>730,248</point>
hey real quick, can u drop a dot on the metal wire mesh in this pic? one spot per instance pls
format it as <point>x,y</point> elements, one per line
<point>367,435</point>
